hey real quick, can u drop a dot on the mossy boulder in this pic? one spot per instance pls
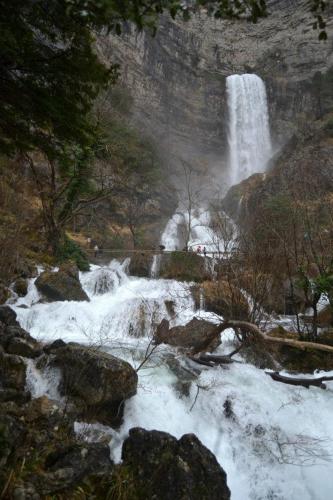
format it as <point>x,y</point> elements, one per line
<point>96,382</point>
<point>61,285</point>
<point>160,466</point>
<point>223,298</point>
<point>21,287</point>
<point>184,266</point>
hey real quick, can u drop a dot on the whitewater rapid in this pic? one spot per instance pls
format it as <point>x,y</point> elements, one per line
<point>238,412</point>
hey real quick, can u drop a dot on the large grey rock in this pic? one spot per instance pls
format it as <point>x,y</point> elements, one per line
<point>198,334</point>
<point>170,469</point>
<point>96,382</point>
<point>61,285</point>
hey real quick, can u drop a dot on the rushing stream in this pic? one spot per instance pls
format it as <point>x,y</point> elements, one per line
<point>273,440</point>
<point>260,431</point>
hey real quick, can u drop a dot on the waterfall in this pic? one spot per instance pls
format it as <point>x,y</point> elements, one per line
<point>155,266</point>
<point>249,136</point>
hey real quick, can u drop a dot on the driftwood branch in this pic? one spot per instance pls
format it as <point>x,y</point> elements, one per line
<point>304,382</point>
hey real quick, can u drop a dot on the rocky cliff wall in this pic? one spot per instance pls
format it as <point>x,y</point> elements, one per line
<point>177,78</point>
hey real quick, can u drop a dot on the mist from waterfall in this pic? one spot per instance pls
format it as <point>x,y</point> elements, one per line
<point>249,136</point>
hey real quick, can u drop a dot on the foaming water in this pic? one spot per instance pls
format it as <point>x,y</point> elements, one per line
<point>261,417</point>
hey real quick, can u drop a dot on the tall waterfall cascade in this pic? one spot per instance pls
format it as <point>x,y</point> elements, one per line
<point>249,136</point>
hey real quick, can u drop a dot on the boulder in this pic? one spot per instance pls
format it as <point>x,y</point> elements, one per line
<point>96,382</point>
<point>61,285</point>
<point>15,340</point>
<point>8,316</point>
<point>12,372</point>
<point>166,468</point>
<point>224,299</point>
<point>21,287</point>
<point>198,334</point>
<point>23,347</point>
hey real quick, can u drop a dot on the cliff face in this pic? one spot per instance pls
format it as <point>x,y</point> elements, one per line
<point>177,79</point>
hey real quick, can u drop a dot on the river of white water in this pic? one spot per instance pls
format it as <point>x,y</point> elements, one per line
<point>275,443</point>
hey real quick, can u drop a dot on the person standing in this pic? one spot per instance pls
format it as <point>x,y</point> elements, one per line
<point>96,250</point>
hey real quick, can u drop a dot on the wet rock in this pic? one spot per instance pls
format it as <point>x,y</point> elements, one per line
<point>55,345</point>
<point>61,285</point>
<point>198,334</point>
<point>166,468</point>
<point>15,340</point>
<point>8,316</point>
<point>96,382</point>
<point>23,347</point>
<point>12,372</point>
<point>21,287</point>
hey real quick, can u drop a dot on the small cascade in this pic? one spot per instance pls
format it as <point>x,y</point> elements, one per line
<point>170,237</point>
<point>106,279</point>
<point>249,135</point>
<point>155,266</point>
<point>42,382</point>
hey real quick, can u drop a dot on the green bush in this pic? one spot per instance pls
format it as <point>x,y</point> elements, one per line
<point>71,251</point>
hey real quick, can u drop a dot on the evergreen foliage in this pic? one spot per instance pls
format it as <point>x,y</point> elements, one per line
<point>69,250</point>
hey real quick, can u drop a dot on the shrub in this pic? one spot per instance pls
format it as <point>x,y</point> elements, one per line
<point>71,251</point>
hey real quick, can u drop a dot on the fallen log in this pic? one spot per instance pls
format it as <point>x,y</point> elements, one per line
<point>246,327</point>
<point>216,359</point>
<point>304,382</point>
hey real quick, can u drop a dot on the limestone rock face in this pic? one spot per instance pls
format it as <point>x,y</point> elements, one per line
<point>96,382</point>
<point>177,78</point>
<point>198,335</point>
<point>166,468</point>
<point>61,285</point>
